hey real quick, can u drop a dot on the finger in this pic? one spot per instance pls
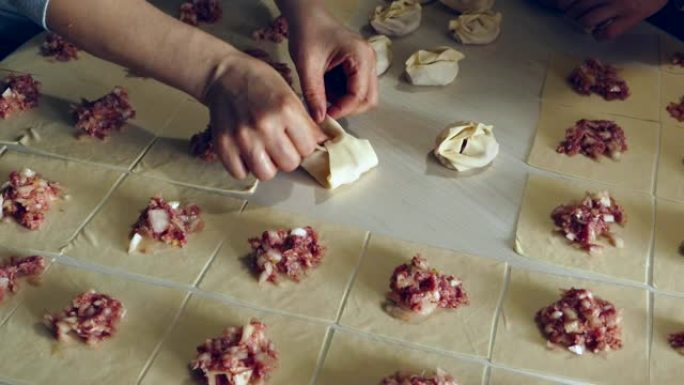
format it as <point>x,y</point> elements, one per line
<point>229,155</point>
<point>283,153</point>
<point>598,17</point>
<point>373,92</point>
<point>313,87</point>
<point>581,8</point>
<point>253,153</point>
<point>617,27</point>
<point>305,135</point>
<point>356,72</point>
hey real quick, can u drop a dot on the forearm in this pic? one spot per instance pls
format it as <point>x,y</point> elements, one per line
<point>135,34</point>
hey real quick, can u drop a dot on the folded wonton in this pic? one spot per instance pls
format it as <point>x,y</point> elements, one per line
<point>466,145</point>
<point>476,28</point>
<point>469,6</point>
<point>433,67</point>
<point>382,46</point>
<point>399,18</point>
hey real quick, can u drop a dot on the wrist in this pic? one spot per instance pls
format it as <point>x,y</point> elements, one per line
<point>228,67</point>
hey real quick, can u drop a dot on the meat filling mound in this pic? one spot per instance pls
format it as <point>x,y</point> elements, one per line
<point>678,59</point>
<point>277,32</point>
<point>57,47</point>
<point>18,93</point>
<point>581,322</point>
<point>282,68</point>
<point>594,138</point>
<point>100,117</point>
<point>26,197</point>
<point>15,268</point>
<point>202,146</point>
<point>289,252</point>
<point>241,356</point>
<point>166,222</point>
<point>194,12</point>
<point>676,341</point>
<point>596,77</point>
<point>93,317</point>
<point>676,110</point>
<point>404,378</point>
<point>418,290</point>
<point>585,222</point>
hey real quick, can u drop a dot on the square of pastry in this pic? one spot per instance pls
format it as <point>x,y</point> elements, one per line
<point>170,157</point>
<point>520,344</point>
<point>31,354</point>
<point>469,326</point>
<point>299,343</point>
<point>670,179</point>
<point>672,91</point>
<point>105,239</point>
<point>319,294</point>
<point>507,377</point>
<point>635,168</point>
<point>669,47</point>
<point>536,236</point>
<point>668,260</point>
<point>643,82</point>
<point>668,318</point>
<point>82,195</point>
<point>353,359</point>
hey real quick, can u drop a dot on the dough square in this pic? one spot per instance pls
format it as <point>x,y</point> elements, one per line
<point>537,239</point>
<point>643,82</point>
<point>668,47</point>
<point>668,318</point>
<point>66,216</point>
<point>104,240</point>
<point>354,360</point>
<point>30,353</point>
<point>470,326</point>
<point>670,182</point>
<point>671,91</point>
<point>634,170</point>
<point>507,377</point>
<point>299,343</point>
<point>170,159</point>
<point>319,295</point>
<point>517,332</point>
<point>668,262</point>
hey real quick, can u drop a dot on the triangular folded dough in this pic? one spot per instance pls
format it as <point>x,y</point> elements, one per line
<point>399,18</point>
<point>382,46</point>
<point>469,6</point>
<point>466,145</point>
<point>476,28</point>
<point>342,159</point>
<point>434,67</point>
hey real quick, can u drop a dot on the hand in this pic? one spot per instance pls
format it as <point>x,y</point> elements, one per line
<point>258,122</point>
<point>320,46</point>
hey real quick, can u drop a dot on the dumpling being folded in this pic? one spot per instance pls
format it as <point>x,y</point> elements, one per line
<point>399,18</point>
<point>382,46</point>
<point>476,28</point>
<point>433,67</point>
<point>342,159</point>
<point>469,6</point>
<point>466,145</point>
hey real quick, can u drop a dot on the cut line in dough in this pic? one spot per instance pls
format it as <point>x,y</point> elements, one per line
<point>670,183</point>
<point>668,261</point>
<point>672,91</point>
<point>508,377</point>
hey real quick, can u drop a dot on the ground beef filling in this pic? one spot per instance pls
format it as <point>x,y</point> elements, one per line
<point>15,268</point>
<point>93,317</point>
<point>593,138</point>
<point>57,47</point>
<point>282,68</point>
<point>241,356</point>
<point>596,77</point>
<point>99,118</point>
<point>581,322</point>
<point>276,32</point>
<point>404,378</point>
<point>678,59</point>
<point>417,289</point>
<point>202,146</point>
<point>200,11</point>
<point>583,223</point>
<point>676,341</point>
<point>18,93</point>
<point>292,253</point>
<point>676,110</point>
<point>166,222</point>
<point>26,197</point>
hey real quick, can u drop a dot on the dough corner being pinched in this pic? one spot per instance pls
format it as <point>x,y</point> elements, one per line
<point>465,146</point>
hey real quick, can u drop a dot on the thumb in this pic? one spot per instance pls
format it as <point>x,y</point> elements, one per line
<point>313,88</point>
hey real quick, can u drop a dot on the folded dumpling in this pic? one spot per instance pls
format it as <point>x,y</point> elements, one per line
<point>382,46</point>
<point>340,160</point>
<point>476,28</point>
<point>469,6</point>
<point>433,67</point>
<point>466,145</point>
<point>399,18</point>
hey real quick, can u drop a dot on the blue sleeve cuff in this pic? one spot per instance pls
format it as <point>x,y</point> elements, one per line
<point>36,10</point>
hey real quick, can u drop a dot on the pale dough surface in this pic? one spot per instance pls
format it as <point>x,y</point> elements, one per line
<point>66,216</point>
<point>643,82</point>
<point>668,318</point>
<point>170,159</point>
<point>536,238</point>
<point>469,327</point>
<point>299,343</point>
<point>519,344</point>
<point>507,377</point>
<point>356,360</point>
<point>668,262</point>
<point>104,240</point>
<point>634,170</point>
<point>32,355</point>
<point>670,182</point>
<point>319,295</point>
<point>671,91</point>
<point>668,47</point>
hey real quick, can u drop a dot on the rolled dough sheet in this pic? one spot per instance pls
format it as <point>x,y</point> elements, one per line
<point>536,238</point>
<point>671,91</point>
<point>643,82</point>
<point>319,295</point>
<point>507,377</point>
<point>668,318</point>
<point>299,343</point>
<point>634,170</point>
<point>517,331</point>
<point>670,183</point>
<point>31,354</point>
<point>668,47</point>
<point>66,216</point>
<point>104,240</point>
<point>354,360</point>
<point>470,327</point>
<point>668,262</point>
<point>169,158</point>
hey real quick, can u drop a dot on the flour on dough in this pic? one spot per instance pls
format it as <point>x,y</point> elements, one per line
<point>476,28</point>
<point>433,67</point>
<point>466,145</point>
